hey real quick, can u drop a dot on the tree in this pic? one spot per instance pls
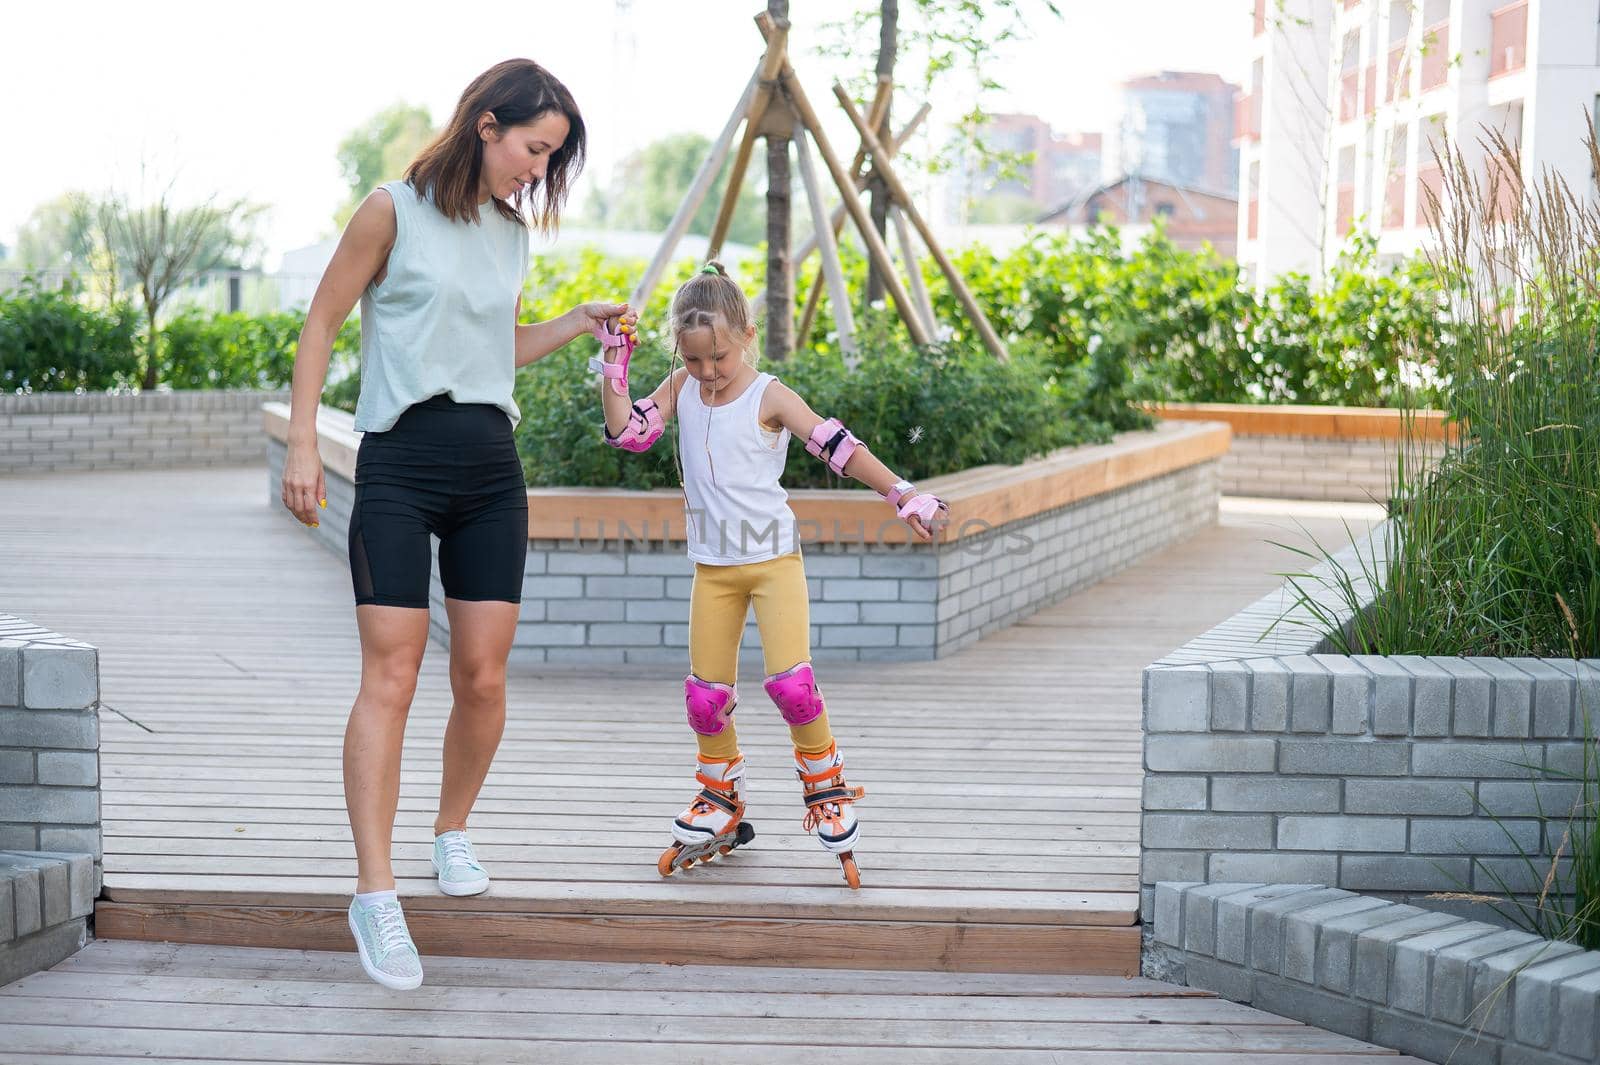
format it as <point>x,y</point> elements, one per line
<point>58,235</point>
<point>780,275</point>
<point>160,246</point>
<point>380,150</point>
<point>942,38</point>
<point>647,187</point>
<point>888,44</point>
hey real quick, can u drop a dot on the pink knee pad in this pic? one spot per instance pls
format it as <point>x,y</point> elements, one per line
<point>795,692</point>
<point>710,704</point>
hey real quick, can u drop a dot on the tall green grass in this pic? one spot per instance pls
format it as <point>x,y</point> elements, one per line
<point>1493,546</point>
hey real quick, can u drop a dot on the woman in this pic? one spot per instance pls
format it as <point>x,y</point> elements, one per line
<point>438,261</point>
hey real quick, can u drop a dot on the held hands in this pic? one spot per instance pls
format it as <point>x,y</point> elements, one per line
<point>600,317</point>
<point>616,327</point>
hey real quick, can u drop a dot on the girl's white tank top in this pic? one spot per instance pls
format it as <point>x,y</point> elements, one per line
<point>738,513</point>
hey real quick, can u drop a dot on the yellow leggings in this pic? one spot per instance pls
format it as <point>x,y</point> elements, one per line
<point>718,605</point>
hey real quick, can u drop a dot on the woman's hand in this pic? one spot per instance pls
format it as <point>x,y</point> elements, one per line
<point>304,490</point>
<point>586,316</point>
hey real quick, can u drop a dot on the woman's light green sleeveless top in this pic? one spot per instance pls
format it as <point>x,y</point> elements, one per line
<point>443,322</point>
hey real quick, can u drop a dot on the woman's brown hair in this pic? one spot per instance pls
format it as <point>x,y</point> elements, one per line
<point>516,92</point>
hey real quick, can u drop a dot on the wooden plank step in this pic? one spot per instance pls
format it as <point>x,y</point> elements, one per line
<point>819,942</point>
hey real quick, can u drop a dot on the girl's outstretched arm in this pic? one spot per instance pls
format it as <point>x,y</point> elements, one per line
<point>831,442</point>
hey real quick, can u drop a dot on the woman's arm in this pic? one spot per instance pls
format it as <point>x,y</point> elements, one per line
<point>361,257</point>
<point>536,341</point>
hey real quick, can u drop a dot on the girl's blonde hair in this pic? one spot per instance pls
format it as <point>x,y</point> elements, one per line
<point>708,296</point>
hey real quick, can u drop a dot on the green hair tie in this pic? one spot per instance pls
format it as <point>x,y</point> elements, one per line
<point>709,269</point>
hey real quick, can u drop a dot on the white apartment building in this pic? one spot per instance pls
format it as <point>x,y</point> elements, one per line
<point>1348,97</point>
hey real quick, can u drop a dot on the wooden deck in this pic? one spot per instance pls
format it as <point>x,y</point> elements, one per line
<point>1000,828</point>
<point>118,1002</point>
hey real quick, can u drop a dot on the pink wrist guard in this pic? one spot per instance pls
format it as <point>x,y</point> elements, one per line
<point>615,372</point>
<point>907,501</point>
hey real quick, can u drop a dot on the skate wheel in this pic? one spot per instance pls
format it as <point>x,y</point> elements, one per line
<point>664,864</point>
<point>687,862</point>
<point>745,833</point>
<point>852,875</point>
<point>725,849</point>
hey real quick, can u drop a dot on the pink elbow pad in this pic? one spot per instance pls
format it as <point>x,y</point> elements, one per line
<point>643,429</point>
<point>833,443</point>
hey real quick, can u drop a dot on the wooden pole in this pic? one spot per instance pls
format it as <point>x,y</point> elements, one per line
<point>691,202</point>
<point>861,178</point>
<point>908,255</point>
<point>836,220</point>
<point>876,249</point>
<point>875,113</point>
<point>808,317</point>
<point>835,223</point>
<point>881,164</point>
<point>766,79</point>
<point>838,296</point>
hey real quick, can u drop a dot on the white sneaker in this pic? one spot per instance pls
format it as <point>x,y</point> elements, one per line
<point>384,941</point>
<point>456,866</point>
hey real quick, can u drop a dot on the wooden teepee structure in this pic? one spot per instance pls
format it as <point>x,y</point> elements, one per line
<point>775,105</point>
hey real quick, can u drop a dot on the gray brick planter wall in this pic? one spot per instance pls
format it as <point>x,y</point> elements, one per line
<point>46,432</point>
<point>1272,761</point>
<point>50,849</point>
<point>1308,467</point>
<point>593,602</point>
<point>1315,451</point>
<point>1435,985</point>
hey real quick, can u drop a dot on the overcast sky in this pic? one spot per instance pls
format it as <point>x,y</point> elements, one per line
<point>253,100</point>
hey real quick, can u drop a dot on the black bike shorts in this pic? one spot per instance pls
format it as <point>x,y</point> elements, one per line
<point>449,470</point>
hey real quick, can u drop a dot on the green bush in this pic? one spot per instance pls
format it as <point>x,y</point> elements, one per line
<point>936,410</point>
<point>50,341</point>
<point>253,351</point>
<point>199,350</point>
<point>1160,323</point>
<point>924,413</point>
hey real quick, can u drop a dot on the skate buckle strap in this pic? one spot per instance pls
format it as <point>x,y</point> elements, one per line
<point>822,775</point>
<point>714,783</point>
<point>716,798</point>
<point>841,793</point>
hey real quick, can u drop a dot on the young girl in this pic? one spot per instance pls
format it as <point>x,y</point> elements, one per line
<point>733,427</point>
